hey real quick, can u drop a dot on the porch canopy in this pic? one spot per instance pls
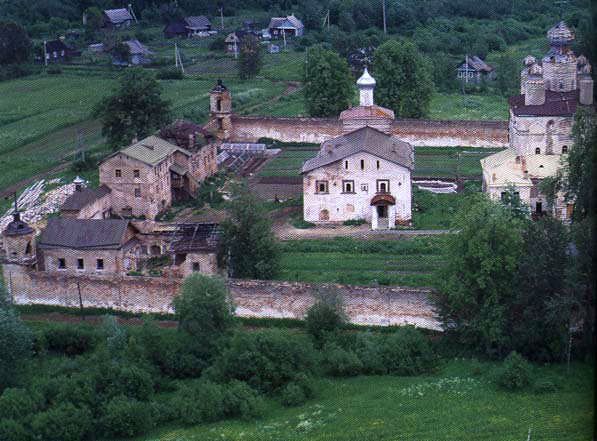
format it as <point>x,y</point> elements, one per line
<point>383,199</point>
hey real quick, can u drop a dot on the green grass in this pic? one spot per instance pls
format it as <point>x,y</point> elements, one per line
<point>408,262</point>
<point>469,107</point>
<point>458,403</point>
<point>289,162</point>
<point>442,162</point>
<point>287,65</point>
<point>436,211</point>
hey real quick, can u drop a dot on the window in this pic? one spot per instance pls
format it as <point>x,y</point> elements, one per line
<point>564,149</point>
<point>346,165</point>
<point>80,264</point>
<point>196,267</point>
<point>383,185</point>
<point>377,163</point>
<point>537,151</point>
<point>118,173</point>
<point>348,186</point>
<point>99,264</point>
<point>364,188</point>
<point>219,105</point>
<point>321,186</point>
<point>136,173</point>
<point>220,123</point>
<point>61,263</point>
<point>28,248</point>
<point>362,164</point>
<point>137,192</point>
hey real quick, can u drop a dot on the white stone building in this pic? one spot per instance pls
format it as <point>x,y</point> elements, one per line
<point>365,174</point>
<point>540,126</point>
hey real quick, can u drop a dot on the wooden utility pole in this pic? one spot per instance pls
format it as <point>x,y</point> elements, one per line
<point>45,53</point>
<point>383,10</point>
<point>80,300</point>
<point>222,17</point>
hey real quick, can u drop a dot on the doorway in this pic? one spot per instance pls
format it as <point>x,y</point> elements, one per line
<point>382,211</point>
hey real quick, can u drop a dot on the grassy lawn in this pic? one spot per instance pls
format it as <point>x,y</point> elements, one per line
<point>289,162</point>
<point>457,403</point>
<point>470,107</point>
<point>435,211</point>
<point>408,262</point>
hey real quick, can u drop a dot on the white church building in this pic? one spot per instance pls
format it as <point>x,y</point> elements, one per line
<point>365,174</point>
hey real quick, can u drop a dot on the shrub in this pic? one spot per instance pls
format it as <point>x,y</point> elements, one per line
<point>125,417</point>
<point>54,70</point>
<point>544,387</point>
<point>354,222</point>
<point>11,430</point>
<point>406,351</point>
<point>292,395</point>
<point>266,360</point>
<point>78,389</point>
<point>326,315</point>
<point>15,345</point>
<point>162,412</point>
<point>218,44</point>
<point>19,403</point>
<point>129,380</point>
<point>69,339</point>
<point>202,402</point>
<point>240,400</point>
<point>63,422</point>
<point>340,362</point>
<point>369,350</point>
<point>169,73</point>
<point>514,373</point>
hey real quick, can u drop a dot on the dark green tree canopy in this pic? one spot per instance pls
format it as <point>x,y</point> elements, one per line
<point>15,45</point>
<point>250,58</point>
<point>404,82</point>
<point>328,84</point>
<point>135,109</point>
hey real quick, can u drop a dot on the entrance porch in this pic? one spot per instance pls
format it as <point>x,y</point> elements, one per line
<point>383,212</point>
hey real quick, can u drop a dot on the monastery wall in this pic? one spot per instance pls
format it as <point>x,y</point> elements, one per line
<point>430,133</point>
<point>364,305</point>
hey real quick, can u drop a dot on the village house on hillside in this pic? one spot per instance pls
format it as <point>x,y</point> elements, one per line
<point>364,174</point>
<point>117,18</point>
<point>540,127</point>
<point>194,26</point>
<point>56,51</point>
<point>474,70</point>
<point>138,54</point>
<point>289,26</point>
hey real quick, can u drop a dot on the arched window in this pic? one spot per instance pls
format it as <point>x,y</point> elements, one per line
<point>28,248</point>
<point>564,149</point>
<point>537,151</point>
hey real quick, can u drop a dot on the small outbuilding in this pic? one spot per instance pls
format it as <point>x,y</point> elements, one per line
<point>117,18</point>
<point>474,70</point>
<point>289,26</point>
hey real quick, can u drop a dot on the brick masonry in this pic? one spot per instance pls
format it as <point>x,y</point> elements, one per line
<point>381,306</point>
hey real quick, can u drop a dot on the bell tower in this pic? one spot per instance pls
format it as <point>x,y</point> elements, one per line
<point>19,241</point>
<point>220,110</point>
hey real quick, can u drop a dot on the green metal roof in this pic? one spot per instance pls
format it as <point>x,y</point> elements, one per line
<point>152,150</point>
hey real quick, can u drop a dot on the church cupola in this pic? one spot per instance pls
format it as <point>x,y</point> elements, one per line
<point>366,84</point>
<point>18,239</point>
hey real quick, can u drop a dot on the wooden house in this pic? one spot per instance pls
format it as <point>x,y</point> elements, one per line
<point>474,70</point>
<point>289,26</point>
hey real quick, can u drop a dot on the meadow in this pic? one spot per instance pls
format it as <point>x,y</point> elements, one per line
<point>457,403</point>
<point>405,262</point>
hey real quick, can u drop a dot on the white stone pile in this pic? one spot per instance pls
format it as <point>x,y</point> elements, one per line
<point>439,187</point>
<point>35,204</point>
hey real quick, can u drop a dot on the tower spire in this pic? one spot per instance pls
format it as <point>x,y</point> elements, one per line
<point>366,84</point>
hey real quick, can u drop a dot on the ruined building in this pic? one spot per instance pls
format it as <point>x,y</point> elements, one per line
<point>540,126</point>
<point>363,174</point>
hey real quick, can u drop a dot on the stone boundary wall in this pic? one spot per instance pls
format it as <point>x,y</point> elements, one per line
<point>420,133</point>
<point>381,306</point>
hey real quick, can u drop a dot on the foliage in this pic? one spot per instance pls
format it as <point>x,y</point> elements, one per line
<point>125,417</point>
<point>11,430</point>
<point>15,45</point>
<point>515,373</point>
<point>354,222</point>
<point>328,83</point>
<point>15,345</point>
<point>508,74</point>
<point>265,360</point>
<point>70,340</point>
<point>511,200</point>
<point>340,362</point>
<point>199,402</point>
<point>115,336</point>
<point>476,283</point>
<point>250,60</point>
<point>169,73</point>
<point>204,310</point>
<point>241,401</point>
<point>248,245</point>
<point>326,315</point>
<point>404,82</point>
<point>17,403</point>
<point>292,395</point>
<point>406,351</point>
<point>62,422</point>
<point>135,109</point>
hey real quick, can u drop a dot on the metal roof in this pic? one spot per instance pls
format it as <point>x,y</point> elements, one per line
<point>84,197</point>
<point>137,48</point>
<point>366,139</point>
<point>289,22</point>
<point>118,15</point>
<point>197,22</point>
<point>98,234</point>
<point>151,150</point>
<point>556,104</point>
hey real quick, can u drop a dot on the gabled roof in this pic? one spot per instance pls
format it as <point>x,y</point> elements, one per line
<point>190,237</point>
<point>369,112</point>
<point>366,139</point>
<point>556,104</point>
<point>477,64</point>
<point>80,199</point>
<point>98,234</point>
<point>137,48</point>
<point>56,46</point>
<point>117,16</point>
<point>151,151</point>
<point>289,22</point>
<point>197,22</point>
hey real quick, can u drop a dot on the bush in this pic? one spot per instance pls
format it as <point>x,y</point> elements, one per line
<point>13,71</point>
<point>266,360</point>
<point>15,345</point>
<point>129,380</point>
<point>544,387</point>
<point>70,340</point>
<point>170,74</point>
<point>19,403</point>
<point>218,44</point>
<point>11,430</point>
<point>82,164</point>
<point>340,362</point>
<point>407,351</point>
<point>514,373</point>
<point>201,402</point>
<point>369,349</point>
<point>54,70</point>
<point>78,389</point>
<point>326,315</point>
<point>63,422</point>
<point>354,222</point>
<point>125,417</point>
<point>292,395</point>
<point>240,400</point>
